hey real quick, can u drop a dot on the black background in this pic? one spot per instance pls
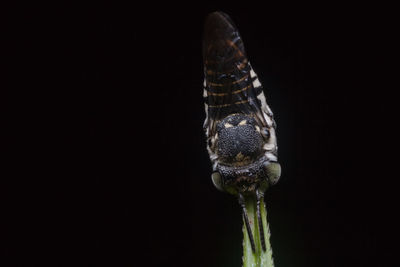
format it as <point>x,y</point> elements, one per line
<point>106,161</point>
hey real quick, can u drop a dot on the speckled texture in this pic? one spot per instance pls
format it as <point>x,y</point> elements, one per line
<point>239,143</point>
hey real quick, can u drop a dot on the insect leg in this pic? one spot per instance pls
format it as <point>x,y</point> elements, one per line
<point>259,196</point>
<point>246,219</point>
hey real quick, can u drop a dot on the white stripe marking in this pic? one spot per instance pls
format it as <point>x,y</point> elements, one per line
<point>252,73</point>
<point>256,83</point>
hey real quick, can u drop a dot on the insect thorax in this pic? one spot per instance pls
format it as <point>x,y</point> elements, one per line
<point>239,142</point>
<point>239,147</point>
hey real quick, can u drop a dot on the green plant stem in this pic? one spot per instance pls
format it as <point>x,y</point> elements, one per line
<point>260,258</point>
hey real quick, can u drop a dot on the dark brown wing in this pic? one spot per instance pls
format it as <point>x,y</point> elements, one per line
<point>229,80</point>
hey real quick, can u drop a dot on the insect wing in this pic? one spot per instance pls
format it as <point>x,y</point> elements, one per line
<point>230,84</point>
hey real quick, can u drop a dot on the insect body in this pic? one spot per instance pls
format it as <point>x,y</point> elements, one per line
<point>239,125</point>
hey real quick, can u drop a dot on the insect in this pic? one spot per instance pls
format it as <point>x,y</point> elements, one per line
<point>239,125</point>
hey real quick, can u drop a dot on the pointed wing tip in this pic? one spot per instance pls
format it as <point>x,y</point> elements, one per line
<point>217,14</point>
<point>218,19</point>
<point>218,28</point>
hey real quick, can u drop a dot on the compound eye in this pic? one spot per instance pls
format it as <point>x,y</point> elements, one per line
<point>217,180</point>
<point>273,170</point>
<point>265,133</point>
